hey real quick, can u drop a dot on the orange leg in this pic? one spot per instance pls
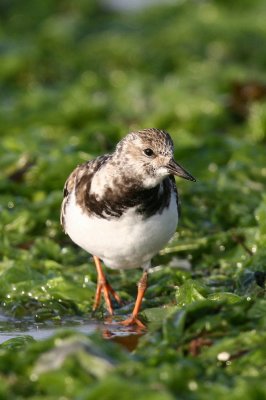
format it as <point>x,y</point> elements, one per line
<point>104,287</point>
<point>142,286</point>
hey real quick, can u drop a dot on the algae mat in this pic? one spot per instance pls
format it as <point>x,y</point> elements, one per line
<point>75,78</point>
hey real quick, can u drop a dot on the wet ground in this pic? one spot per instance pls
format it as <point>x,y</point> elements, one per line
<point>11,329</point>
<point>14,328</point>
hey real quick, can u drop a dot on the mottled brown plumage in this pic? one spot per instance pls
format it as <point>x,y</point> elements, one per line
<point>123,207</point>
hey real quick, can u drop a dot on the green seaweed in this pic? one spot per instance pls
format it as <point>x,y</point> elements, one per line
<point>75,78</point>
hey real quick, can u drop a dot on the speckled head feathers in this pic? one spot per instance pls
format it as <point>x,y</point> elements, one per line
<point>154,138</point>
<point>144,154</point>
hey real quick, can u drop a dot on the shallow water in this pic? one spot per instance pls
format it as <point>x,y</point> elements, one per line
<point>132,5</point>
<point>14,328</point>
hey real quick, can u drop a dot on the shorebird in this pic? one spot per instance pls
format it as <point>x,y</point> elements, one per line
<point>123,208</point>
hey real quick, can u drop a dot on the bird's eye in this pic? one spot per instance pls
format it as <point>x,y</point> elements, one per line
<point>148,152</point>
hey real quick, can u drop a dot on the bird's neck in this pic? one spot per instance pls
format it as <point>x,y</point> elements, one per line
<point>120,183</point>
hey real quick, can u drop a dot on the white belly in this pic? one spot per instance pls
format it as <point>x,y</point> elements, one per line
<point>127,242</point>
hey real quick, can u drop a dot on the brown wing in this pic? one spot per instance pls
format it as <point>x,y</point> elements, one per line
<point>80,178</point>
<point>68,188</point>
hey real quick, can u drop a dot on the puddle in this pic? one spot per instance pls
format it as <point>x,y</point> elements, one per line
<point>132,5</point>
<point>13,328</point>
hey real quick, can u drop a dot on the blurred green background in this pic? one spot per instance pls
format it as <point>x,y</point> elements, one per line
<point>76,76</point>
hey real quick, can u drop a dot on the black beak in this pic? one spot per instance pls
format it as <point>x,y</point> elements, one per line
<point>176,169</point>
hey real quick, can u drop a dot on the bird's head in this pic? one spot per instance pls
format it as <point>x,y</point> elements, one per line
<point>148,155</point>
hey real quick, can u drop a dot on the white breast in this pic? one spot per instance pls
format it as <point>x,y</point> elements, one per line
<point>122,243</point>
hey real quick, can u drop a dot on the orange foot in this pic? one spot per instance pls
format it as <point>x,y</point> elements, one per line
<point>103,287</point>
<point>132,321</point>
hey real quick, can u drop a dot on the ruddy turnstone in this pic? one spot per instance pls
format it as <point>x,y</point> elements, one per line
<point>123,208</point>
